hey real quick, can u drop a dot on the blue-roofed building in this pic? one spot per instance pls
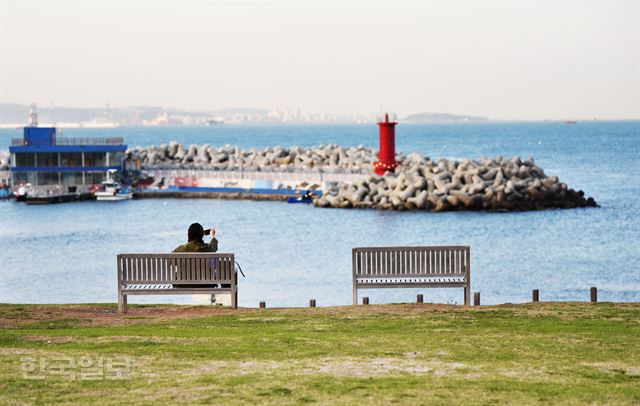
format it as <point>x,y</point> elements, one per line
<point>59,165</point>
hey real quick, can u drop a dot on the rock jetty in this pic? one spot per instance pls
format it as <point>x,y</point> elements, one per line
<point>485,184</point>
<point>418,184</point>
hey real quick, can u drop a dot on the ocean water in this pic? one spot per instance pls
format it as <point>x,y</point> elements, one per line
<point>291,253</point>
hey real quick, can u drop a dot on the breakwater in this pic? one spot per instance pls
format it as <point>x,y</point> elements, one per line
<point>485,184</point>
<point>419,183</point>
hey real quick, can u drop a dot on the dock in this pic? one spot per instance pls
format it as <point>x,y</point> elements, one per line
<point>63,198</point>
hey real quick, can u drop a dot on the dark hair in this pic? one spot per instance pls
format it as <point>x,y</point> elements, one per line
<point>196,232</point>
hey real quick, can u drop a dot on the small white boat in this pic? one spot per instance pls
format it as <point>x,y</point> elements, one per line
<point>23,192</point>
<point>112,191</point>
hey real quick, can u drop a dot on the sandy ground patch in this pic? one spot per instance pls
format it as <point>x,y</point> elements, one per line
<point>339,367</point>
<point>615,367</point>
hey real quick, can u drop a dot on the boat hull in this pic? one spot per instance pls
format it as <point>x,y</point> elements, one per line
<point>113,198</point>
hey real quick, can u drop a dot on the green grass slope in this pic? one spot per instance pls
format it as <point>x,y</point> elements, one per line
<point>549,353</point>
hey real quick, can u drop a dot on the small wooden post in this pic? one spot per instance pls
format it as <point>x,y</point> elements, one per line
<point>594,294</point>
<point>420,299</point>
<point>312,303</point>
<point>476,298</point>
<point>365,300</point>
<point>263,305</point>
<point>535,296</point>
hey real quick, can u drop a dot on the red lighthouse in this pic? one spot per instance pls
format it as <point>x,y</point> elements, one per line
<point>387,154</point>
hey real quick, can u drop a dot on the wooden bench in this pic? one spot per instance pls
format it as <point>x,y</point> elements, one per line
<point>411,267</point>
<point>176,274</point>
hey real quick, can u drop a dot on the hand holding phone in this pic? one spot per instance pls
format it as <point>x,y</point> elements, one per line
<point>211,231</point>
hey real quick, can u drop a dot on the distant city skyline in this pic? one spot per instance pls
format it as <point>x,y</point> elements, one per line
<point>501,60</point>
<point>14,115</point>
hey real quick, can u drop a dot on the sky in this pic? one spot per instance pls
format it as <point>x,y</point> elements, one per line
<point>504,60</point>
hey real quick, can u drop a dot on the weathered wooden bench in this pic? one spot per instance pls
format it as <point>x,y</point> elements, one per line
<point>176,274</point>
<point>411,267</point>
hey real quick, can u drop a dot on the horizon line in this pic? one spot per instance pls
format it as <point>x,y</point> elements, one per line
<point>191,110</point>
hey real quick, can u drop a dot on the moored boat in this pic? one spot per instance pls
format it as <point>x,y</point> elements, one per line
<point>113,191</point>
<point>306,196</point>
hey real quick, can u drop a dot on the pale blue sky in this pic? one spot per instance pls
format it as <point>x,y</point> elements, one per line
<point>504,60</point>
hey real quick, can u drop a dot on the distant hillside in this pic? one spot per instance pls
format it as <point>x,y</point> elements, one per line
<point>442,118</point>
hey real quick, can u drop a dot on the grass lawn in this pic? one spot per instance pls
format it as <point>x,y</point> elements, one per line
<point>557,353</point>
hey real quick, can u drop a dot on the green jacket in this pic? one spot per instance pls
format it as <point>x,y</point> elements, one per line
<point>197,246</point>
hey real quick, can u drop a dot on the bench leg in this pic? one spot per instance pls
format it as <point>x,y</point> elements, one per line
<point>355,296</point>
<point>122,303</point>
<point>234,298</point>
<point>467,296</point>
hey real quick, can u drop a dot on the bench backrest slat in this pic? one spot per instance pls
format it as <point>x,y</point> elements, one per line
<point>196,268</point>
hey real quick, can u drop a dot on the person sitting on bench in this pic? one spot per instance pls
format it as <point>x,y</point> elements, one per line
<point>195,242</point>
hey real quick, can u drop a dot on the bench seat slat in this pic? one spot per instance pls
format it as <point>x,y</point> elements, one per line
<point>176,291</point>
<point>413,275</point>
<point>132,286</point>
<point>401,279</point>
<point>177,282</point>
<point>412,285</point>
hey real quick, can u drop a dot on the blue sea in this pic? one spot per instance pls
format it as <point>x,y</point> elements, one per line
<point>66,253</point>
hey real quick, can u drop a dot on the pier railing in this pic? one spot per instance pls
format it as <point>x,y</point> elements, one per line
<point>89,141</point>
<point>76,141</point>
<point>309,177</point>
